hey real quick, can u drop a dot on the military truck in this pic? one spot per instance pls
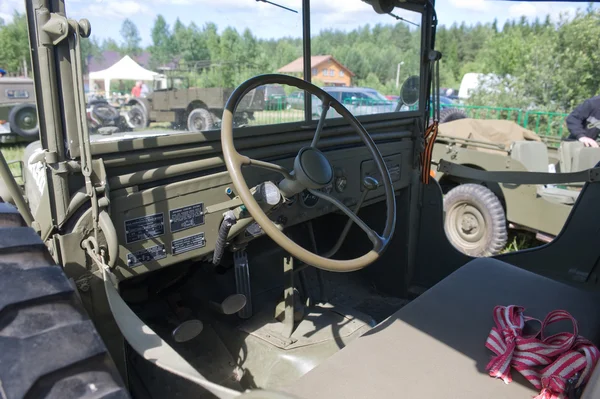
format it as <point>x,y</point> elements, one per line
<point>18,117</point>
<point>303,259</point>
<point>197,109</point>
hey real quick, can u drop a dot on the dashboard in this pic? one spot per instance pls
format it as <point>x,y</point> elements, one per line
<point>170,223</point>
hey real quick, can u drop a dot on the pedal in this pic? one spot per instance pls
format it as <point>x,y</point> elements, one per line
<point>187,330</point>
<point>242,282</point>
<point>232,304</point>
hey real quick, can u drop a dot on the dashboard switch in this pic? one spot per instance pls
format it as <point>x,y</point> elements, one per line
<point>340,184</point>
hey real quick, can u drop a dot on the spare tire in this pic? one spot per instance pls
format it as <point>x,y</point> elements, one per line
<point>474,220</point>
<point>50,348</point>
<point>452,114</point>
<point>105,113</point>
<point>23,120</point>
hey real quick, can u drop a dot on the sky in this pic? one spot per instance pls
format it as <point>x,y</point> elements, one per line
<point>267,21</point>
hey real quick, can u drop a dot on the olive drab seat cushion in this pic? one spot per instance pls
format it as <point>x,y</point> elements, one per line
<point>532,154</point>
<point>434,347</point>
<point>574,157</point>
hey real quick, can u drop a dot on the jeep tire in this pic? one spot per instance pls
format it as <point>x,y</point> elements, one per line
<point>452,114</point>
<point>23,121</point>
<point>474,220</point>
<point>200,119</point>
<point>49,346</point>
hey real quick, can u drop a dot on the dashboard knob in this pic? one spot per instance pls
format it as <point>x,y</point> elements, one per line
<point>340,184</point>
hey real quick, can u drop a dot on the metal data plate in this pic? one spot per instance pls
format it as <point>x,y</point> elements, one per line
<point>189,243</point>
<point>146,255</point>
<point>186,217</point>
<point>143,228</point>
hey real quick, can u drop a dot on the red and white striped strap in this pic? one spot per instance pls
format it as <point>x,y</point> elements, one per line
<point>547,362</point>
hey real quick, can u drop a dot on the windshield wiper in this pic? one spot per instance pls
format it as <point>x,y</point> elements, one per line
<point>278,5</point>
<point>401,19</point>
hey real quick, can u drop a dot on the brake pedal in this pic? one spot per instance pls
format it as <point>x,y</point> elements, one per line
<point>242,281</point>
<point>232,304</point>
<point>187,330</point>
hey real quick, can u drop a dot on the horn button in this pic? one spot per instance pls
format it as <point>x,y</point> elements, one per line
<point>312,168</point>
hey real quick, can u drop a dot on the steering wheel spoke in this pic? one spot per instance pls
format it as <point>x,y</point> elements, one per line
<point>324,110</point>
<point>266,165</point>
<point>373,236</point>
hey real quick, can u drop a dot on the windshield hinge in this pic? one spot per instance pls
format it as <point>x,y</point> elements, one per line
<point>56,27</point>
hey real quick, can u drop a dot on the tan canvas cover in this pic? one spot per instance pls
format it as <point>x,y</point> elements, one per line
<point>488,131</point>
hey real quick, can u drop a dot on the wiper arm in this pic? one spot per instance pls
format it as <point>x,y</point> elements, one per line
<point>278,5</point>
<point>401,19</point>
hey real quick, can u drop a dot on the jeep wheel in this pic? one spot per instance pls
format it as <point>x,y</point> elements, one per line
<point>199,120</point>
<point>474,220</point>
<point>23,121</point>
<point>50,348</point>
<point>137,117</point>
<point>452,114</point>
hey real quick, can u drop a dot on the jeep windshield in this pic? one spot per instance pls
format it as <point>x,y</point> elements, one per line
<point>173,75</point>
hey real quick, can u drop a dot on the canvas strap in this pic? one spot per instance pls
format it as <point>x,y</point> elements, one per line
<point>453,169</point>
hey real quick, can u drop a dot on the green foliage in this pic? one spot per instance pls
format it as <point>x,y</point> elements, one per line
<point>131,39</point>
<point>14,45</point>
<point>162,49</point>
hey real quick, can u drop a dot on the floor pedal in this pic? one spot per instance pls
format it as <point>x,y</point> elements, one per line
<point>242,281</point>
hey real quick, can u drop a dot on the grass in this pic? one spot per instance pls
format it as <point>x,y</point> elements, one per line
<point>272,117</point>
<point>519,240</point>
<point>14,152</point>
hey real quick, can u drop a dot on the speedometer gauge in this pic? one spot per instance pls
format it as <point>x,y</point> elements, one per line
<point>309,200</point>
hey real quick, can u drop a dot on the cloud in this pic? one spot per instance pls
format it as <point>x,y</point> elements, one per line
<point>539,10</point>
<point>473,5</point>
<point>114,9</point>
<point>6,17</point>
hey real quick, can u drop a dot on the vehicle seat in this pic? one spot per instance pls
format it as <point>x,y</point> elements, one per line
<point>534,157</point>
<point>586,158</point>
<point>566,152</point>
<point>574,157</point>
<point>532,154</point>
<point>434,346</point>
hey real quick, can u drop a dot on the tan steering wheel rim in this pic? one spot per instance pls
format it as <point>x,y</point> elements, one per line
<point>234,162</point>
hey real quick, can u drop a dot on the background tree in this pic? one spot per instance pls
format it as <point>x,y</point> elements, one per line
<point>14,46</point>
<point>131,39</point>
<point>162,49</point>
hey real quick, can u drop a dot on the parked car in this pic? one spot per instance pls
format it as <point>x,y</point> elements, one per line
<point>275,97</point>
<point>295,100</point>
<point>361,100</point>
<point>18,114</point>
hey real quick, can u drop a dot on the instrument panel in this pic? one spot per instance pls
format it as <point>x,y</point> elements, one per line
<point>169,223</point>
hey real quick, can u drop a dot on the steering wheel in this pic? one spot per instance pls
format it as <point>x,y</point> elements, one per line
<point>312,171</point>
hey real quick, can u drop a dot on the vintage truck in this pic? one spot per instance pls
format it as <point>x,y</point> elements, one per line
<point>302,259</point>
<point>18,116</point>
<point>193,108</point>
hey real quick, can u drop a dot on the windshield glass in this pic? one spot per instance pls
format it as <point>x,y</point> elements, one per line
<point>161,71</point>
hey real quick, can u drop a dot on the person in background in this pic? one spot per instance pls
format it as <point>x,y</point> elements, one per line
<point>137,89</point>
<point>2,73</point>
<point>584,122</point>
<point>144,92</point>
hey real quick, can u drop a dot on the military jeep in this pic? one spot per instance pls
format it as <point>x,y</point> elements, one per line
<point>299,259</point>
<point>479,214</point>
<point>197,109</point>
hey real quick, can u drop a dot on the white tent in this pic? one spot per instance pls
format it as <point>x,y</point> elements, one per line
<point>125,69</point>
